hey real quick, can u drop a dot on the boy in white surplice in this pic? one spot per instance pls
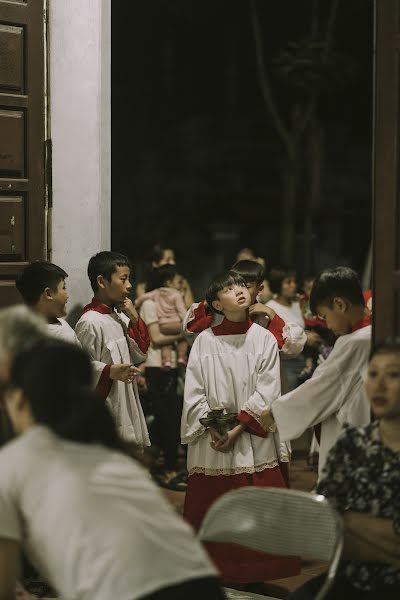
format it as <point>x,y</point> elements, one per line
<point>235,365</point>
<point>116,339</point>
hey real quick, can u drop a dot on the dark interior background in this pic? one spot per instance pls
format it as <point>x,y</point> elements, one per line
<point>196,161</point>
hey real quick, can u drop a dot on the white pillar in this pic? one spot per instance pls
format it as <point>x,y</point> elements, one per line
<point>80,128</point>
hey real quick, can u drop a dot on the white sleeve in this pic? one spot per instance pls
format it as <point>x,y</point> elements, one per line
<point>268,386</point>
<point>195,404</point>
<point>90,339</point>
<point>294,338</point>
<point>321,396</point>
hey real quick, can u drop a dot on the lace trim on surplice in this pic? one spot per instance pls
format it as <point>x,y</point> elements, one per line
<point>234,470</point>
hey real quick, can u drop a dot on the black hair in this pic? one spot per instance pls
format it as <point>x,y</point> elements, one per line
<point>390,345</point>
<point>56,378</point>
<point>36,277</point>
<point>105,263</point>
<point>219,282</point>
<point>277,275</point>
<point>157,252</point>
<point>250,270</point>
<point>159,276</point>
<point>340,282</point>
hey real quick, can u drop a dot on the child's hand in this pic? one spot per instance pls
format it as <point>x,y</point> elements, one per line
<point>129,309</point>
<point>124,372</point>
<point>267,419</point>
<point>313,339</point>
<point>227,441</point>
<point>261,309</point>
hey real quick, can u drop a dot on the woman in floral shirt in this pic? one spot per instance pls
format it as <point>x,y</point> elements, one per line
<point>362,479</point>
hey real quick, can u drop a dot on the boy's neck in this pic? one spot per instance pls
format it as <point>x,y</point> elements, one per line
<point>42,309</point>
<point>236,316</point>
<point>103,298</point>
<point>356,313</point>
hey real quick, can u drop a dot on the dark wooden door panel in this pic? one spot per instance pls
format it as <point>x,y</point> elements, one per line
<point>22,131</point>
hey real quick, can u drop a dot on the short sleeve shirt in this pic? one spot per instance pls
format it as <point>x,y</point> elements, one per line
<point>363,475</point>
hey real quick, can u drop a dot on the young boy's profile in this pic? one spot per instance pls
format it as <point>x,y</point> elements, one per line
<point>42,287</point>
<point>116,339</point>
<point>335,394</point>
<point>234,365</point>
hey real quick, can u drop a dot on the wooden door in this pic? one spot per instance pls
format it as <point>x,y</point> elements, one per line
<point>22,137</point>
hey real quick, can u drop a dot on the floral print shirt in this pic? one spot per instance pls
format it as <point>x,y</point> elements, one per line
<point>363,475</point>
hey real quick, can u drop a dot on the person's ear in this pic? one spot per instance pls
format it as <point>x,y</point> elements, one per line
<point>101,281</point>
<point>47,294</point>
<point>217,305</point>
<point>260,288</point>
<point>340,304</point>
<point>168,282</point>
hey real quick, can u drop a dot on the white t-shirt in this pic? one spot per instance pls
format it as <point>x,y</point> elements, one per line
<point>61,329</point>
<point>290,314</point>
<point>148,312</point>
<point>92,521</point>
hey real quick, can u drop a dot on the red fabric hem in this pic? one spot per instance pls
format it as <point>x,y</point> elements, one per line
<point>232,327</point>
<point>140,334</point>
<point>201,320</point>
<point>234,562</point>
<point>275,326</point>
<point>98,307</point>
<point>103,387</point>
<point>252,426</point>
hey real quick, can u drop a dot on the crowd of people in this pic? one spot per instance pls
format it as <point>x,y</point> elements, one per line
<point>96,418</point>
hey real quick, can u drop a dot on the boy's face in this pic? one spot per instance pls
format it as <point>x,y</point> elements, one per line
<point>117,289</point>
<point>233,298</point>
<point>254,289</point>
<point>56,301</point>
<point>383,385</point>
<point>336,318</point>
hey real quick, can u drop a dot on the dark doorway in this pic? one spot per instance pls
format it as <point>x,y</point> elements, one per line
<point>196,158</point>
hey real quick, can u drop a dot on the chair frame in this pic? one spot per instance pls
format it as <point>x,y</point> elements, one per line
<point>317,499</point>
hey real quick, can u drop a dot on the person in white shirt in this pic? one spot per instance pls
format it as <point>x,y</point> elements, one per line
<point>88,516</point>
<point>335,394</point>
<point>42,287</point>
<point>285,303</point>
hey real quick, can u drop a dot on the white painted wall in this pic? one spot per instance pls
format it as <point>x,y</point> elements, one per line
<point>80,128</point>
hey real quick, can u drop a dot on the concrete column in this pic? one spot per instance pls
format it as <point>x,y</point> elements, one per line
<point>80,128</point>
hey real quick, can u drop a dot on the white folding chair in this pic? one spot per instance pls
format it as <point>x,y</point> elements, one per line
<point>278,521</point>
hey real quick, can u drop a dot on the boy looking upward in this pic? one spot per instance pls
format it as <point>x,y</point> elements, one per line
<point>335,394</point>
<point>290,336</point>
<point>116,339</point>
<point>234,365</point>
<point>42,287</point>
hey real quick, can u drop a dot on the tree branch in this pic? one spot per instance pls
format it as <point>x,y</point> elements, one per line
<point>264,82</point>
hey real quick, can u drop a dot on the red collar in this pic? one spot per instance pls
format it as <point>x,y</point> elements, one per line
<point>231,327</point>
<point>364,322</point>
<point>98,307</point>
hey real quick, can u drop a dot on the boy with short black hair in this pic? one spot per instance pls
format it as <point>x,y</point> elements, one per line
<point>42,286</point>
<point>234,365</point>
<point>335,394</point>
<point>116,339</point>
<point>290,337</point>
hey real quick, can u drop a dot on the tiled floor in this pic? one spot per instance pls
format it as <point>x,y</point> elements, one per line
<point>302,478</point>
